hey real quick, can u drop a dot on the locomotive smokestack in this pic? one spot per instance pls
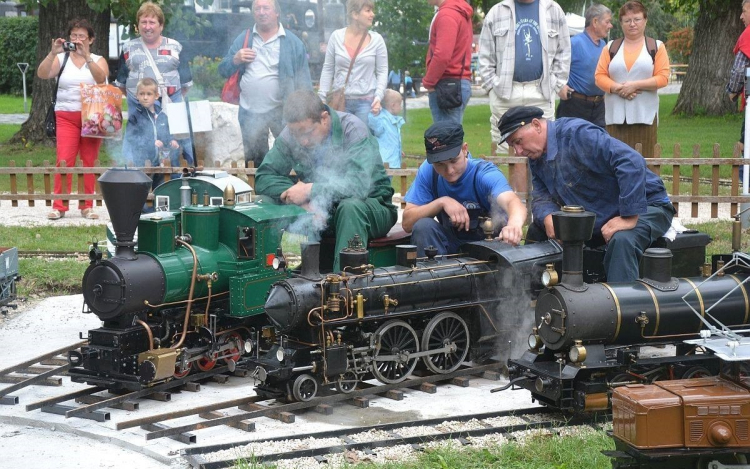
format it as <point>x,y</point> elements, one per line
<point>124,191</point>
<point>310,260</point>
<point>573,226</point>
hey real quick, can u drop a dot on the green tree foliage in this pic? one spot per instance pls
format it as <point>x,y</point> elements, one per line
<point>405,25</point>
<point>18,38</point>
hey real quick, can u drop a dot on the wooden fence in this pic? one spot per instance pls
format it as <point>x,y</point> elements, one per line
<point>24,180</point>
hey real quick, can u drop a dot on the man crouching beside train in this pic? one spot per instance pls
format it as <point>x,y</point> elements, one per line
<point>574,162</point>
<point>340,176</point>
<point>457,189</point>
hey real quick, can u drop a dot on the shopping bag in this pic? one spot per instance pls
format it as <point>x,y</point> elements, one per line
<point>101,111</point>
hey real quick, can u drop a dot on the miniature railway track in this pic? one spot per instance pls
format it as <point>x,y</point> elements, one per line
<point>35,371</point>
<point>53,254</point>
<point>257,409</point>
<point>321,444</point>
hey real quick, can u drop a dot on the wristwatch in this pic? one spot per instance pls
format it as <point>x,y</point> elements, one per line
<point>89,60</point>
<point>570,93</point>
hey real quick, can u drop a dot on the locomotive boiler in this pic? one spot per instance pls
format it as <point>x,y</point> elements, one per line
<point>191,294</point>
<point>591,338</point>
<point>338,329</point>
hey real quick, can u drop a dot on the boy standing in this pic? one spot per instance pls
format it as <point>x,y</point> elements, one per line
<point>147,134</point>
<point>386,127</point>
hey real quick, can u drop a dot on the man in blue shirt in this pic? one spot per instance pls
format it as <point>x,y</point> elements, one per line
<point>458,189</point>
<point>580,97</point>
<point>574,162</point>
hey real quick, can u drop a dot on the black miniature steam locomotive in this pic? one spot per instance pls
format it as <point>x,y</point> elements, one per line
<point>591,338</point>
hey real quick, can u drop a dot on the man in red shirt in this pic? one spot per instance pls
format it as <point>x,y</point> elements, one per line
<point>448,63</point>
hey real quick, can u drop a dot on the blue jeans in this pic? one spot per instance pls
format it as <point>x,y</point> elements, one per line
<point>429,232</point>
<point>360,107</point>
<point>456,114</point>
<point>625,249</point>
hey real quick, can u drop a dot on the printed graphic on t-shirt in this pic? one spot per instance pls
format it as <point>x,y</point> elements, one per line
<point>527,31</point>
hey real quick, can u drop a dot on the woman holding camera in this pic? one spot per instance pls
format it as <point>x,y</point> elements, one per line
<point>78,66</point>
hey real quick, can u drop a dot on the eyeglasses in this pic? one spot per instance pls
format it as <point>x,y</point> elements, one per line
<point>633,21</point>
<point>82,37</point>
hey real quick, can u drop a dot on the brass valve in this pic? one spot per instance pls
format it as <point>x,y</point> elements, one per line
<point>388,302</point>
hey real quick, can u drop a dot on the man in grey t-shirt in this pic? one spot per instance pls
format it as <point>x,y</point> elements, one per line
<point>272,66</point>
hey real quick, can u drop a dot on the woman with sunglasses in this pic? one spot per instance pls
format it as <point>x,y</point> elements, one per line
<point>629,72</point>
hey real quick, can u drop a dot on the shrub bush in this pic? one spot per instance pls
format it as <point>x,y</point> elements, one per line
<point>207,83</point>
<point>18,38</point>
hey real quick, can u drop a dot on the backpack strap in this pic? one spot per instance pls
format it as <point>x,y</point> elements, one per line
<point>650,46</point>
<point>614,47</point>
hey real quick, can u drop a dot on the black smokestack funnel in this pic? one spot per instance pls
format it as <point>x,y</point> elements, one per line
<point>310,260</point>
<point>124,191</point>
<point>573,226</point>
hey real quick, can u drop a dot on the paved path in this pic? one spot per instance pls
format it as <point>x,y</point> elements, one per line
<point>478,98</point>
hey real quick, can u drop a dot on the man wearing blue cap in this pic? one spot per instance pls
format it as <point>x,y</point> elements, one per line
<point>458,189</point>
<point>574,162</point>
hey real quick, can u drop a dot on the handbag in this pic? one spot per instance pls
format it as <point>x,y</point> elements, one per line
<point>336,99</point>
<point>449,93</point>
<point>230,93</point>
<point>50,122</point>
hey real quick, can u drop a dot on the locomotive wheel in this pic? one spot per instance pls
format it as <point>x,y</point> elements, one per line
<point>443,330</point>
<point>235,352</point>
<point>347,382</point>
<point>305,387</point>
<point>204,364</point>
<point>188,369</point>
<point>696,372</point>
<point>395,338</point>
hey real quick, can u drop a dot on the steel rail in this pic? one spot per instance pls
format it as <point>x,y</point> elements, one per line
<point>410,382</point>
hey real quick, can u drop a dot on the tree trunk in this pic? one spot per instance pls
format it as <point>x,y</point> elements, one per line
<point>716,31</point>
<point>53,23</point>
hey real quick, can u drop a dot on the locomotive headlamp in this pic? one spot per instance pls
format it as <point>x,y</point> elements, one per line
<point>535,342</point>
<point>577,353</point>
<point>549,276</point>
<point>280,354</point>
<point>279,261</point>
<point>248,346</point>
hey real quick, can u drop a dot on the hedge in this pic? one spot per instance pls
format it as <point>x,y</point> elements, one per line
<point>18,39</point>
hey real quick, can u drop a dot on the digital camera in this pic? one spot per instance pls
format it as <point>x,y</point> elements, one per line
<point>69,46</point>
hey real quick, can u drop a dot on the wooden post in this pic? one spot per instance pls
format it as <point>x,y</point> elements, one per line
<point>81,178</point>
<point>13,184</point>
<point>30,182</point>
<point>696,181</point>
<point>715,182</point>
<point>47,183</point>
<point>64,178</point>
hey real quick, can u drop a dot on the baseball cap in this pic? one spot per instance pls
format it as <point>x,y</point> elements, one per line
<point>443,141</point>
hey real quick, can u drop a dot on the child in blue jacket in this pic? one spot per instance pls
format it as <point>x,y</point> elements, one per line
<point>147,136</point>
<point>386,127</point>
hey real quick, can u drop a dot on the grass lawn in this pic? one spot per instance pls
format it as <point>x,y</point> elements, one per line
<point>11,104</point>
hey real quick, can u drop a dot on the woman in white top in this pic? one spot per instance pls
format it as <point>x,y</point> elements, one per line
<point>369,76</point>
<point>81,66</point>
